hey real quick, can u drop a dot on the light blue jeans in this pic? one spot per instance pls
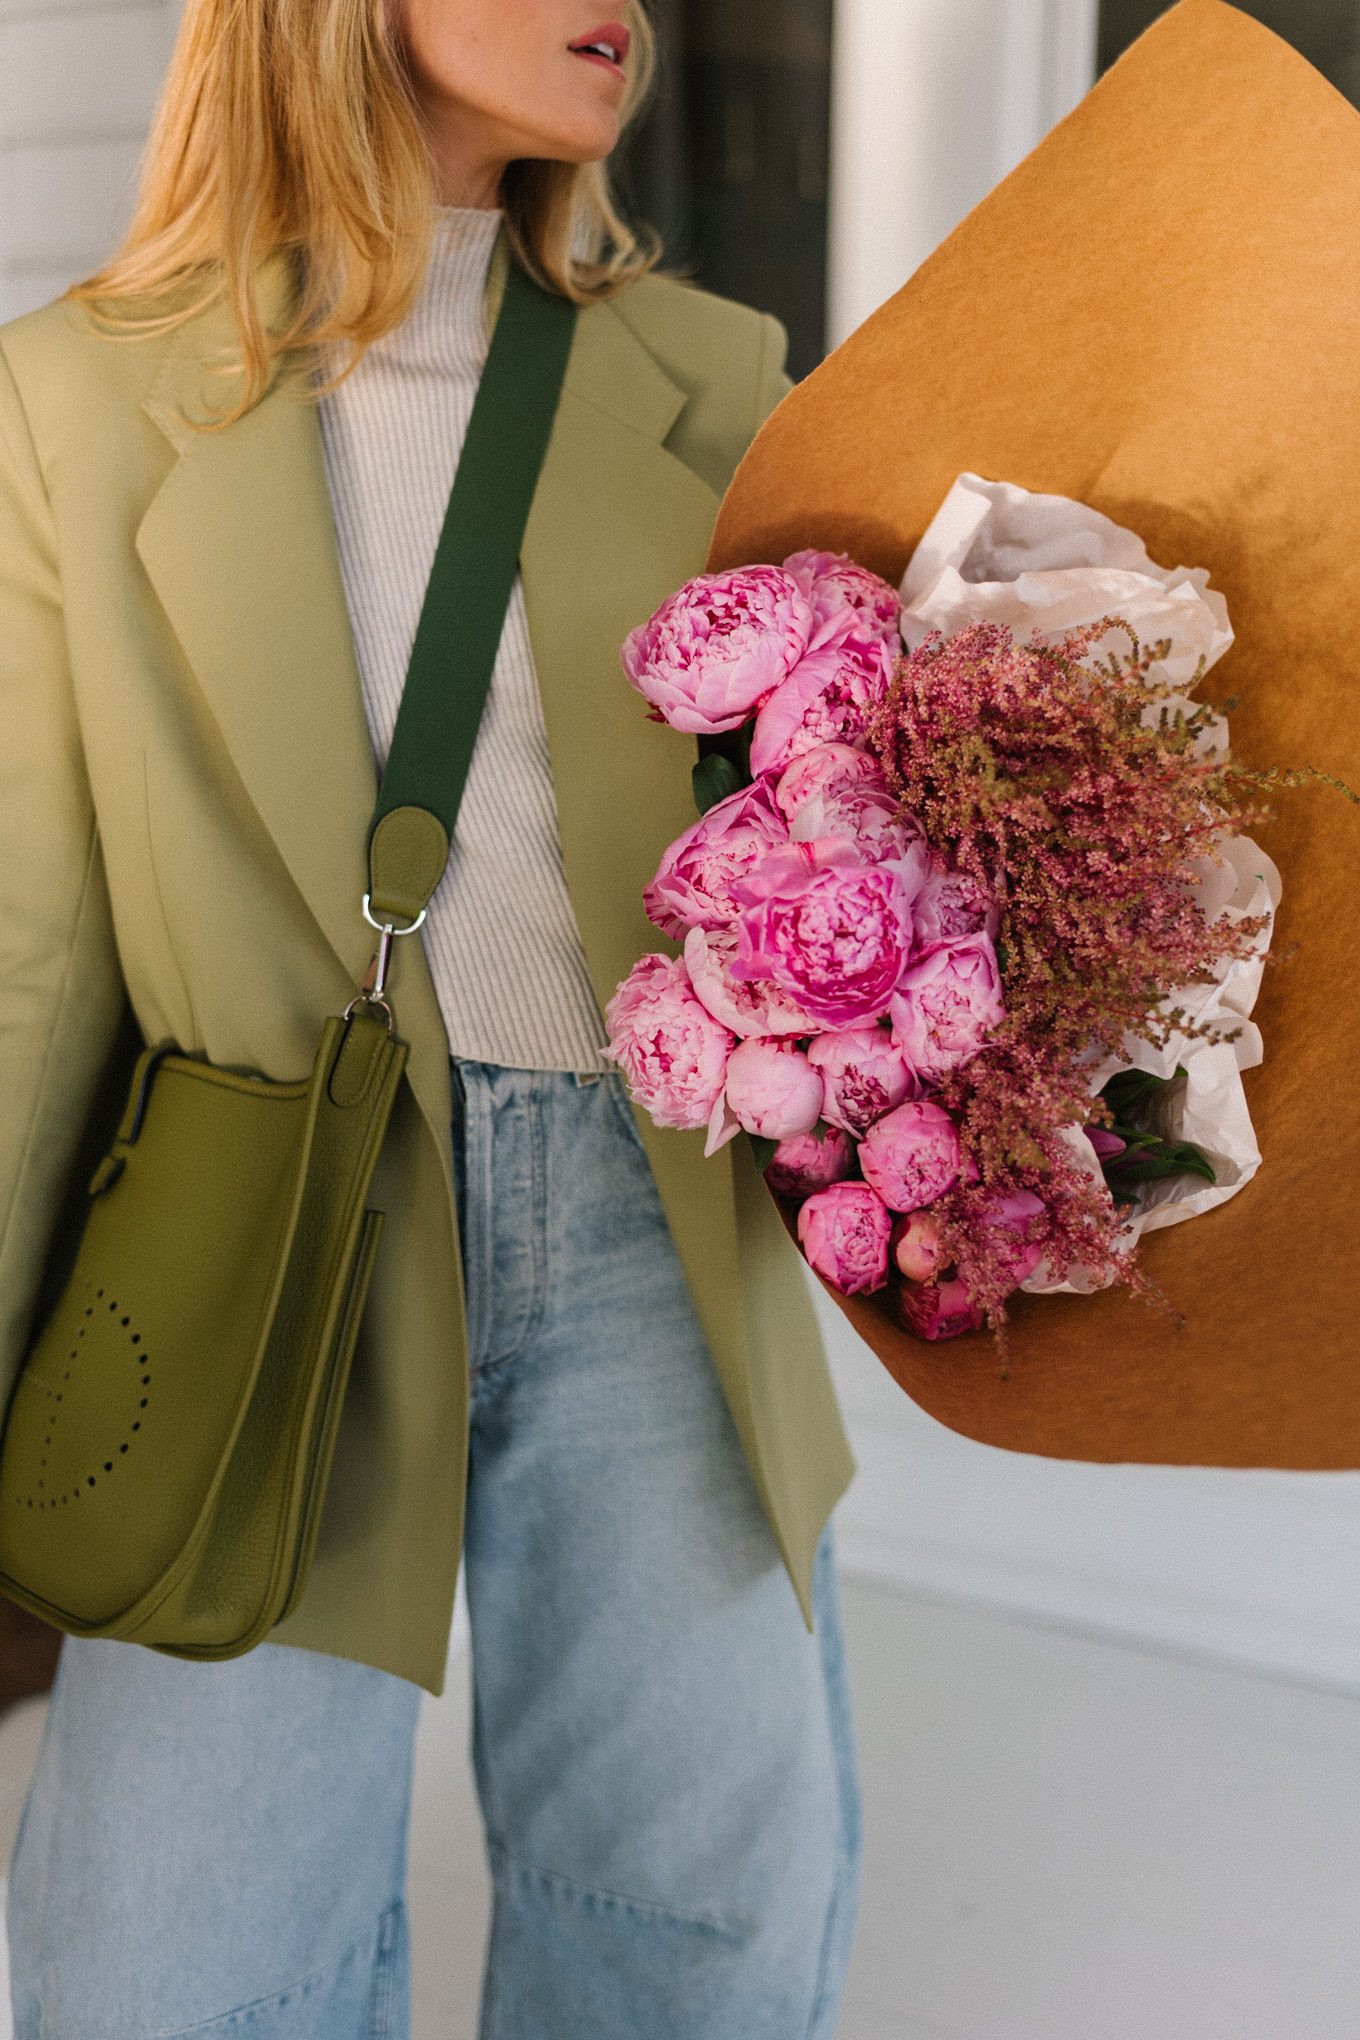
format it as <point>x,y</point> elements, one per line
<point>662,1752</point>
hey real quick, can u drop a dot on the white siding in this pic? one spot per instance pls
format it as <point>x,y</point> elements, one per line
<point>78,81</point>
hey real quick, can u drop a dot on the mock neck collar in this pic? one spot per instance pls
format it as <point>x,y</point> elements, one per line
<point>447,326</point>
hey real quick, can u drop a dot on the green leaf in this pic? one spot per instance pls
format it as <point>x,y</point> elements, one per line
<point>762,1149</point>
<point>1194,1161</point>
<point>713,779</point>
<point>1129,1091</point>
<point>1155,1160</point>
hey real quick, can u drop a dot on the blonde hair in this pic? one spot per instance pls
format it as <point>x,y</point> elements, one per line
<point>290,127</point>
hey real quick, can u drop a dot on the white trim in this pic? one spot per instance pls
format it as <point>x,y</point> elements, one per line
<point>1072,31</point>
<point>932,102</point>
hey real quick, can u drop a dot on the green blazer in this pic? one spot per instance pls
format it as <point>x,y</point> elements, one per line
<point>186,783</point>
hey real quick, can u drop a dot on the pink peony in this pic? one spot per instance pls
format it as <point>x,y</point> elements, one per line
<point>809,1161</point>
<point>671,1049</point>
<point>835,584</point>
<point>945,1004</point>
<point>826,769</point>
<point>868,819</point>
<point>911,1156</point>
<point>713,650</point>
<point>692,887</point>
<point>833,931</point>
<point>754,1006</point>
<point>951,904</point>
<point>844,1232</point>
<point>1012,1233</point>
<point>827,698</point>
<point>865,1075</point>
<point>937,1310</point>
<point>772,1090</point>
<point>917,1249</point>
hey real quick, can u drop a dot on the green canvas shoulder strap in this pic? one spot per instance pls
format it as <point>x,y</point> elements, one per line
<point>463,613</point>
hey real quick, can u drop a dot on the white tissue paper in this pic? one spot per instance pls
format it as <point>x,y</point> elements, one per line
<point>994,553</point>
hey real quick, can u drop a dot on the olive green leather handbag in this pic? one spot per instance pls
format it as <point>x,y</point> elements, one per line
<point>167,1445</point>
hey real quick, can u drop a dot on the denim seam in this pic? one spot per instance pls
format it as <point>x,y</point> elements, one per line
<point>246,2014</point>
<point>384,1972</point>
<point>819,1990</point>
<point>491,1369</point>
<point>535,1236</point>
<point>847,1840</point>
<point>617,1094</point>
<point>488,2023</point>
<point>500,1854</point>
<point>476,1230</point>
<point>538,1230</point>
<point>484,1776</point>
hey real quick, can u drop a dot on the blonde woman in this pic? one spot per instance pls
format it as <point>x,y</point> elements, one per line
<point>587,1365</point>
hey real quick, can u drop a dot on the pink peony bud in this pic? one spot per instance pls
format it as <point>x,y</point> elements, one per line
<point>836,584</point>
<point>719,646</point>
<point>951,904</point>
<point>692,888</point>
<point>912,1156</point>
<point>1013,1233</point>
<point>917,1250</point>
<point>868,819</point>
<point>1105,1143</point>
<point>809,1161</point>
<point>844,1232</point>
<point>773,1089</point>
<point>937,1310</point>
<point>865,1073</point>
<point>827,698</point>
<point>827,769</point>
<point>834,932</point>
<point>946,1003</point>
<point>747,1006</point>
<point>671,1049</point>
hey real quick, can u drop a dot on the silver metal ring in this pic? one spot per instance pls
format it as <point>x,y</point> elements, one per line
<point>372,999</point>
<point>390,925</point>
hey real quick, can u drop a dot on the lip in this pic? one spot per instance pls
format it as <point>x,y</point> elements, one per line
<point>612,32</point>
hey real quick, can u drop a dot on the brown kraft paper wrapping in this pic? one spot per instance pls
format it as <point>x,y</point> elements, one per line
<point>1158,313</point>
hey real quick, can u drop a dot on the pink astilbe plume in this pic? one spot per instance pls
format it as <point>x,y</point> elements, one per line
<point>1075,790</point>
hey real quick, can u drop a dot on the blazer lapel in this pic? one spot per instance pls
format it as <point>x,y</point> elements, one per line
<point>239,544</point>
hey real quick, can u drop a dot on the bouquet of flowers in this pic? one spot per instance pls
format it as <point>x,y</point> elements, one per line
<point>968,934</point>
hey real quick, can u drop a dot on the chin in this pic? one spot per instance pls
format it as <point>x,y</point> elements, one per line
<point>583,137</point>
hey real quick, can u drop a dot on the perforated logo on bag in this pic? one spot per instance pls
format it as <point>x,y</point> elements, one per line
<point>106,1369</point>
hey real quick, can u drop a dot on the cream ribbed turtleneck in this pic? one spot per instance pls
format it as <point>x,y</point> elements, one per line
<point>500,933</point>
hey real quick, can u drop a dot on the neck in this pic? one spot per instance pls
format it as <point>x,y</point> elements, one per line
<point>466,168</point>
<point>478,190</point>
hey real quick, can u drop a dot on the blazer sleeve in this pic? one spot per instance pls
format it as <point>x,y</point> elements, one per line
<point>61,988</point>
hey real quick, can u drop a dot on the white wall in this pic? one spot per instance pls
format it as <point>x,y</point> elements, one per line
<point>934,101</point>
<point>78,79</point>
<point>1251,1568</point>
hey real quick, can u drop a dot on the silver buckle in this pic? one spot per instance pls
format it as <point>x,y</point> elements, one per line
<point>391,926</point>
<point>375,977</point>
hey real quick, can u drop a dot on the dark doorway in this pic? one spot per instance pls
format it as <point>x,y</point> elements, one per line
<point>729,163</point>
